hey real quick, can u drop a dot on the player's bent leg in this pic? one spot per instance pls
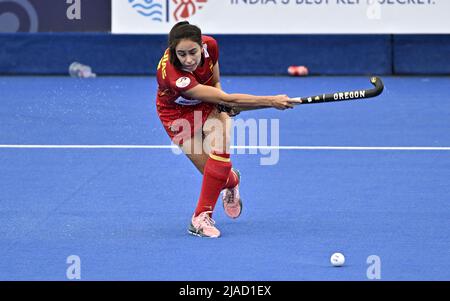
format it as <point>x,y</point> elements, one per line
<point>216,169</point>
<point>202,225</point>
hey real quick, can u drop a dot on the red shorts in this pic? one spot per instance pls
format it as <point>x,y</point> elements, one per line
<point>182,122</point>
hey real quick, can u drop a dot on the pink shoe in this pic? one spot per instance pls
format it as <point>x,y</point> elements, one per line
<point>203,225</point>
<point>232,203</point>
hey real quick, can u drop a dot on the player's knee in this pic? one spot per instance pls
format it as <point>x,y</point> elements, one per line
<point>220,148</point>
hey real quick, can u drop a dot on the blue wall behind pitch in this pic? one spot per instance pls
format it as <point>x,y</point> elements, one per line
<point>426,54</point>
<point>52,53</point>
<point>322,54</point>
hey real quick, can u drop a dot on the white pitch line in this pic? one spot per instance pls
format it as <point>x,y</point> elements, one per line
<point>357,148</point>
<point>342,148</point>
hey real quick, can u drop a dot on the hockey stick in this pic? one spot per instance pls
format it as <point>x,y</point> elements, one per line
<point>331,97</point>
<point>347,95</point>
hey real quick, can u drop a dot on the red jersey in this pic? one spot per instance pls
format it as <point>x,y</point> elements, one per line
<point>172,82</point>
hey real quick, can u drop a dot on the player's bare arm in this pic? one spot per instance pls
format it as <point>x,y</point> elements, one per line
<point>217,96</point>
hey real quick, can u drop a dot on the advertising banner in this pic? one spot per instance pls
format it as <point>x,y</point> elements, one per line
<point>284,16</point>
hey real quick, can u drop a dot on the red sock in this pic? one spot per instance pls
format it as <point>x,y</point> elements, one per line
<point>215,175</point>
<point>232,181</point>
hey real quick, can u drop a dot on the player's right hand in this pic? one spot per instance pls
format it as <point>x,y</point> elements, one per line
<point>283,102</point>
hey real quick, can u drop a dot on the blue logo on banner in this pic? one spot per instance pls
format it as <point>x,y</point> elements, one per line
<point>149,9</point>
<point>156,10</point>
